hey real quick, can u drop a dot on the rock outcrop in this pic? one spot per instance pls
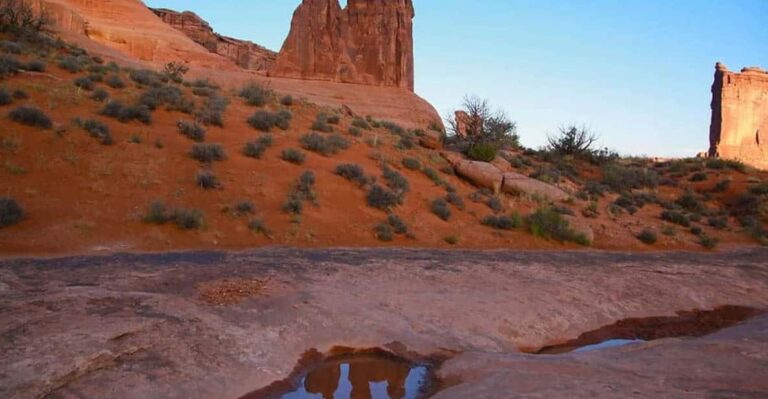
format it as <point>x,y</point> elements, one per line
<point>515,183</point>
<point>129,27</point>
<point>739,127</point>
<point>245,54</point>
<point>369,42</point>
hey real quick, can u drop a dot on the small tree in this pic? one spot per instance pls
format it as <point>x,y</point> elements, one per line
<point>572,140</point>
<point>481,129</point>
<point>18,16</point>
<point>176,70</point>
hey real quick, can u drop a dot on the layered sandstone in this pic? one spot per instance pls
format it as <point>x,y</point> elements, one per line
<point>369,42</point>
<point>245,54</point>
<point>739,127</point>
<point>129,27</point>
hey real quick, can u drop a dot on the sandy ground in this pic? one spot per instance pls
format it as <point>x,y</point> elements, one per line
<point>175,325</point>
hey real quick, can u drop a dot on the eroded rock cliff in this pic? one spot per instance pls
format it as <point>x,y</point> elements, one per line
<point>369,42</point>
<point>244,53</point>
<point>739,127</point>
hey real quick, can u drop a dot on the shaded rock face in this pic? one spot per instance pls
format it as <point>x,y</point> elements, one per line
<point>245,54</point>
<point>369,42</point>
<point>739,127</point>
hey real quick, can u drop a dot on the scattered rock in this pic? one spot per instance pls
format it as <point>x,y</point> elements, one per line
<point>481,174</point>
<point>515,183</point>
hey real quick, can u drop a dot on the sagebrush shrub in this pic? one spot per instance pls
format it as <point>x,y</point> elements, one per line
<point>293,155</point>
<point>212,111</point>
<point>10,212</point>
<point>100,95</point>
<point>286,101</point>
<point>647,236</point>
<point>208,153</point>
<point>323,145</point>
<point>170,96</point>
<point>206,179</point>
<point>114,82</point>
<point>191,130</point>
<point>258,226</point>
<point>5,97</point>
<point>676,218</point>
<point>382,198</point>
<point>84,83</point>
<point>546,222</point>
<point>98,130</point>
<point>147,77</point>
<point>256,148</point>
<point>123,113</point>
<point>441,209</point>
<point>411,163</point>
<point>30,116</point>
<point>256,94</point>
<point>353,173</point>
<point>70,63</point>
<point>505,222</point>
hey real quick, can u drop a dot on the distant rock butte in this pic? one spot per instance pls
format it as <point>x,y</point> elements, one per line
<point>739,127</point>
<point>245,54</point>
<point>369,42</point>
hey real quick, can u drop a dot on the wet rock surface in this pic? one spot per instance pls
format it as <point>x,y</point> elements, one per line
<point>139,326</point>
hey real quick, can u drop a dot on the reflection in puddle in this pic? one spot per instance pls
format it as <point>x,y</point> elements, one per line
<point>361,377</point>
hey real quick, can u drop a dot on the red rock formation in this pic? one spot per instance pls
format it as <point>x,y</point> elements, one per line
<point>739,127</point>
<point>246,54</point>
<point>369,42</point>
<point>130,27</point>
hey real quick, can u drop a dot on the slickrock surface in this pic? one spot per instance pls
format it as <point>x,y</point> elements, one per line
<point>739,128</point>
<point>145,326</point>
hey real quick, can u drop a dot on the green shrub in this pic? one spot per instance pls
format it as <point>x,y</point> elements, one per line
<point>718,222</point>
<point>208,153</point>
<point>286,101</point>
<point>393,127</point>
<point>211,113</point>
<point>507,222</point>
<point>433,175</point>
<point>321,123</point>
<point>398,224</point>
<point>84,83</point>
<point>355,131</point>
<point>323,145</point>
<point>293,155</point>
<point>411,163</point>
<point>405,143</point>
<point>353,173</point>
<point>676,218</point>
<point>10,212</point>
<point>256,148</point>
<point>157,213</point>
<point>70,64</point>
<point>361,123</point>
<point>256,94</point>
<point>485,152</point>
<point>100,95</point>
<point>441,209</point>
<point>265,120</point>
<point>114,82</point>
<point>5,97</point>
<point>619,178</point>
<point>454,199</point>
<point>708,242</point>
<point>191,130</point>
<point>690,202</point>
<point>548,223</point>
<point>188,219</point>
<point>547,174</point>
<point>244,207</point>
<point>718,163</point>
<point>123,113</point>
<point>147,77</point>
<point>698,176</point>
<point>30,116</point>
<point>395,181</point>
<point>36,66</point>
<point>647,236</point>
<point>293,205</point>
<point>721,186</point>
<point>384,232</point>
<point>98,130</point>
<point>258,226</point>
<point>382,198</point>
<point>170,96</point>
<point>207,180</point>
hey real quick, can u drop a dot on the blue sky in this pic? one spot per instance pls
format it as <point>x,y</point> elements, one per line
<point>638,73</point>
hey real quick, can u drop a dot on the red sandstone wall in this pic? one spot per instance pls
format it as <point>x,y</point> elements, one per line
<point>739,127</point>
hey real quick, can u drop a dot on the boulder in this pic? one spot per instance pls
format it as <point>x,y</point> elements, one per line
<point>515,183</point>
<point>452,157</point>
<point>502,164</point>
<point>482,174</point>
<point>431,139</point>
<point>369,42</point>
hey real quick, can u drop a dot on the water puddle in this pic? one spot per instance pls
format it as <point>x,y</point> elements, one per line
<point>370,374</point>
<point>694,323</point>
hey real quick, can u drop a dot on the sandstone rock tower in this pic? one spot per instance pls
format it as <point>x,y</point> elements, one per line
<point>739,127</point>
<point>369,42</point>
